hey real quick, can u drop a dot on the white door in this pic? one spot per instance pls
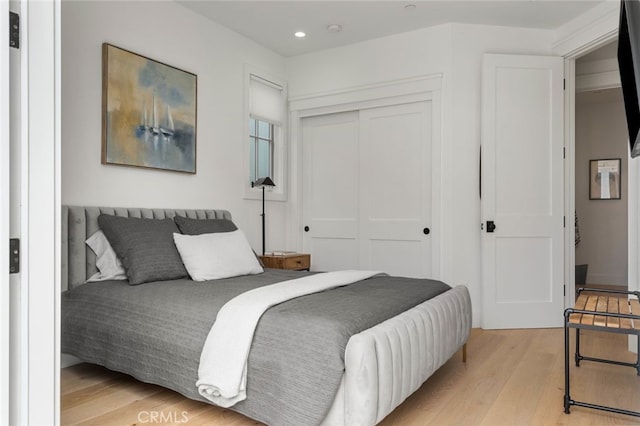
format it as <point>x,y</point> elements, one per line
<point>4,215</point>
<point>19,303</point>
<point>395,189</point>
<point>34,388</point>
<point>330,190</point>
<point>522,191</point>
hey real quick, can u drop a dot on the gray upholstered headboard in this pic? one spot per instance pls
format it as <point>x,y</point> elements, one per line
<point>79,223</point>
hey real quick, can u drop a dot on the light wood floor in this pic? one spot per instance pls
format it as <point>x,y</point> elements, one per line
<point>512,377</point>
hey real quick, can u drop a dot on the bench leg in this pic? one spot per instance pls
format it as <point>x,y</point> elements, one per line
<point>577,356</point>
<point>638,355</point>
<point>464,353</point>
<point>567,398</point>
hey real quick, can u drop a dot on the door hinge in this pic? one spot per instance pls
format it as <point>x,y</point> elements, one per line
<point>14,30</point>
<point>564,84</point>
<point>14,255</point>
<point>564,221</point>
<point>564,290</point>
<point>564,152</point>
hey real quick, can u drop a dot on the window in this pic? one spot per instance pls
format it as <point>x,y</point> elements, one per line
<point>266,118</point>
<point>261,134</point>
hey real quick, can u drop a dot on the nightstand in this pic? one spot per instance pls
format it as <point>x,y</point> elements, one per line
<point>293,261</point>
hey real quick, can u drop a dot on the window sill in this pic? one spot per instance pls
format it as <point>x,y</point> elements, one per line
<point>256,194</point>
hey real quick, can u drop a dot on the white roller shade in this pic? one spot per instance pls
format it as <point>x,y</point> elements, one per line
<point>266,100</point>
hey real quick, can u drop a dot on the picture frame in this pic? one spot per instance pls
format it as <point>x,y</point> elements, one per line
<point>604,179</point>
<point>149,112</point>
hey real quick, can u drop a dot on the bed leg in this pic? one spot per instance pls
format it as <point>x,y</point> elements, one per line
<point>464,353</point>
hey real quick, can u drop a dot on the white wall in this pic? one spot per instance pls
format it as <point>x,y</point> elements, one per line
<point>410,54</point>
<point>179,37</point>
<point>456,52</point>
<point>601,132</point>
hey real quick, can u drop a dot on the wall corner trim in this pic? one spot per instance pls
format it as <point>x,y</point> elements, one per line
<point>587,30</point>
<point>399,88</point>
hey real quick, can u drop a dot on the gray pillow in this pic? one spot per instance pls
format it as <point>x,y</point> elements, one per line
<point>145,247</point>
<point>189,226</point>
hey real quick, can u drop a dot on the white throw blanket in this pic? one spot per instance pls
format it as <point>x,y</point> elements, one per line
<point>222,374</point>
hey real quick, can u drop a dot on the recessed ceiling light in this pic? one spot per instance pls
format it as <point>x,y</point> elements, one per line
<point>334,28</point>
<point>300,34</point>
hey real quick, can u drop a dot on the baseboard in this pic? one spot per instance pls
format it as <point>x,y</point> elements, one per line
<point>67,360</point>
<point>606,279</point>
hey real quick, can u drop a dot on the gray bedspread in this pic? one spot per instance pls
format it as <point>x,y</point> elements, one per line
<point>155,332</point>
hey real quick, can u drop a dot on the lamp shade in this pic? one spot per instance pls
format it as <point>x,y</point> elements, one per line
<point>262,182</point>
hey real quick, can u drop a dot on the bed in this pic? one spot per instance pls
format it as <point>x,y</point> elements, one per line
<point>371,358</point>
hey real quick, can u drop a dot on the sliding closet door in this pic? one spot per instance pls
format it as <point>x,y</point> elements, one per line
<point>367,189</point>
<point>330,190</point>
<point>395,189</point>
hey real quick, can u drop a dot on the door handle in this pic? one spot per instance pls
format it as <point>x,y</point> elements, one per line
<point>306,229</point>
<point>491,226</point>
<point>426,231</point>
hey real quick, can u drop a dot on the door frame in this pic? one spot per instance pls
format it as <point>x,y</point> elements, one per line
<point>586,33</point>
<point>570,163</point>
<point>5,211</point>
<point>40,140</point>
<point>606,32</point>
<point>402,91</point>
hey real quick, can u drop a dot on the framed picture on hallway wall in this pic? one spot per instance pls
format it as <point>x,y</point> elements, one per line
<point>148,112</point>
<point>604,179</point>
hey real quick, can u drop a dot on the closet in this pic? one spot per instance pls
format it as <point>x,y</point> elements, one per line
<point>367,189</point>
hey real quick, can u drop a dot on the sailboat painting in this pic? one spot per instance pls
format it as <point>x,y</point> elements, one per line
<point>148,112</point>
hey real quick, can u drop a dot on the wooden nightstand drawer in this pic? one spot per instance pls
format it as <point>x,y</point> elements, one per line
<point>294,262</point>
<point>297,263</point>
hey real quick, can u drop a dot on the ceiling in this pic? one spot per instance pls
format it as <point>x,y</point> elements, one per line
<point>272,23</point>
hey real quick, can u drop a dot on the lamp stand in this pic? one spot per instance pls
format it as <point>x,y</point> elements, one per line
<point>264,181</point>
<point>263,222</point>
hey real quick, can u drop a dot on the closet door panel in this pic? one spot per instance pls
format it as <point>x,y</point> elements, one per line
<point>330,190</point>
<point>395,189</point>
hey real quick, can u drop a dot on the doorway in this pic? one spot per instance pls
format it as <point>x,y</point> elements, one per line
<point>601,140</point>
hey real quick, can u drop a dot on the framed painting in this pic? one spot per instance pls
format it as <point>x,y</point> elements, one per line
<point>604,179</point>
<point>148,112</point>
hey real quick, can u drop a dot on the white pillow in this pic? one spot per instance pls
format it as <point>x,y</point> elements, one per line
<point>109,266</point>
<point>216,256</point>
